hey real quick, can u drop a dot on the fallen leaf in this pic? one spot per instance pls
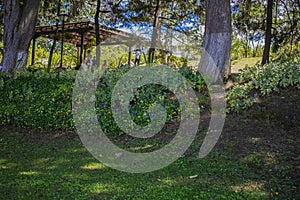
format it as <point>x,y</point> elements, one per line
<point>194,176</point>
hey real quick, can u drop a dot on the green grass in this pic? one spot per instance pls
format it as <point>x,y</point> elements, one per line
<point>57,166</point>
<point>236,65</point>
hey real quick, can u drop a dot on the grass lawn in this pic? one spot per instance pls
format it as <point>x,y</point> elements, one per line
<point>35,166</point>
<point>236,65</point>
<point>257,157</point>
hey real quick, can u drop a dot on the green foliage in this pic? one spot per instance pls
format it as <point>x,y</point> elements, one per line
<point>260,81</point>
<point>142,99</point>
<point>42,54</point>
<point>115,56</point>
<point>37,100</point>
<point>3,77</point>
<point>289,52</point>
<point>194,77</point>
<point>41,100</point>
<point>242,49</point>
<point>249,28</point>
<point>175,61</point>
<point>286,27</point>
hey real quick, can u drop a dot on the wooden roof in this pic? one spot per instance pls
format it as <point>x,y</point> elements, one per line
<point>74,31</point>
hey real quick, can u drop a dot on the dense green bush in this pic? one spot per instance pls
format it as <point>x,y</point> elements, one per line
<point>38,100</point>
<point>260,81</point>
<point>42,100</point>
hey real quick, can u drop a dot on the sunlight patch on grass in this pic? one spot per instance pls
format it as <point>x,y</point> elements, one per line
<point>99,188</point>
<point>167,181</point>
<point>254,159</point>
<point>93,166</point>
<point>261,159</point>
<point>269,157</point>
<point>255,140</point>
<point>251,186</point>
<point>29,173</point>
<point>142,148</point>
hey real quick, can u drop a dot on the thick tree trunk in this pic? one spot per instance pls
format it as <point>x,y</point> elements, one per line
<point>266,55</point>
<point>19,23</point>
<point>215,59</point>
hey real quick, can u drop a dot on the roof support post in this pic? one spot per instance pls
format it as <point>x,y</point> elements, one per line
<point>129,55</point>
<point>62,41</point>
<point>81,48</point>
<point>78,54</point>
<point>33,51</point>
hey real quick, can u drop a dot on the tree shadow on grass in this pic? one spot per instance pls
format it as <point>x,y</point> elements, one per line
<point>266,139</point>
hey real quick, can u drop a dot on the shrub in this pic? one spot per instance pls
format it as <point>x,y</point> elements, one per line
<point>44,100</point>
<point>263,79</point>
<point>38,100</point>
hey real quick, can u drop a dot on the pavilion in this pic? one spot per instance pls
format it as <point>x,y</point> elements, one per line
<point>79,33</point>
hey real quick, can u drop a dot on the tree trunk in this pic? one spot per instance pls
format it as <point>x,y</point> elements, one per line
<point>51,56</point>
<point>54,41</point>
<point>215,59</point>
<point>246,48</point>
<point>253,48</point>
<point>155,33</point>
<point>19,23</point>
<point>266,55</point>
<point>97,33</point>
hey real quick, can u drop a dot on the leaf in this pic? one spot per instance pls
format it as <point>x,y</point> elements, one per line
<point>193,177</point>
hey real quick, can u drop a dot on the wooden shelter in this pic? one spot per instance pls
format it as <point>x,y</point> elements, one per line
<point>80,33</point>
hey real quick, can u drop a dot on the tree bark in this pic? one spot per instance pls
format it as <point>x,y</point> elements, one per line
<point>215,59</point>
<point>19,23</point>
<point>54,41</point>
<point>155,34</point>
<point>51,56</point>
<point>268,34</point>
<point>97,30</point>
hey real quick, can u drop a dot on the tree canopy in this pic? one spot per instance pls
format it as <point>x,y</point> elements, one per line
<point>248,20</point>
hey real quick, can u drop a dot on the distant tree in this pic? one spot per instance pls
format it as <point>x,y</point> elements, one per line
<point>286,25</point>
<point>250,24</point>
<point>247,20</point>
<point>159,14</point>
<point>217,40</point>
